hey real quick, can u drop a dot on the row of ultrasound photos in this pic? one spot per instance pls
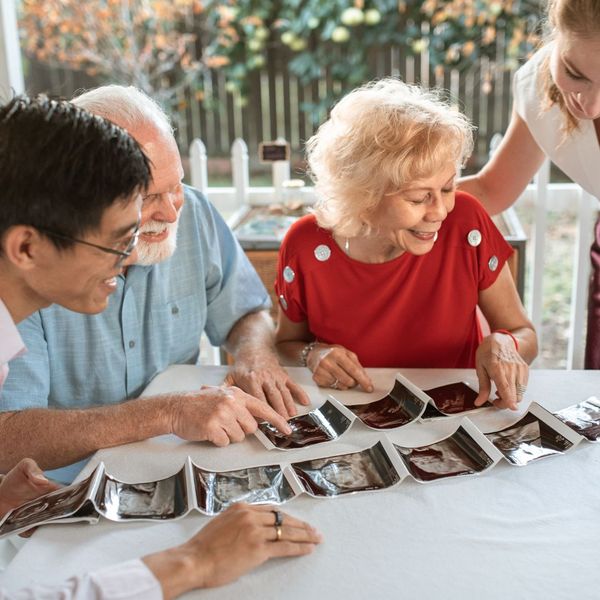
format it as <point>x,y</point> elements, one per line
<point>467,451</point>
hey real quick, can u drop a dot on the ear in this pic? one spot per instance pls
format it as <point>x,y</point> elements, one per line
<point>23,246</point>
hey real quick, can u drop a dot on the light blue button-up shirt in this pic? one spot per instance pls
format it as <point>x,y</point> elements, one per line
<point>154,319</point>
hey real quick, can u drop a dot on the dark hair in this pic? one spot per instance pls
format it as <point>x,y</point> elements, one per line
<point>61,167</point>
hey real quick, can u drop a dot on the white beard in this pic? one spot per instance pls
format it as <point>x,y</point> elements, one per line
<point>150,253</point>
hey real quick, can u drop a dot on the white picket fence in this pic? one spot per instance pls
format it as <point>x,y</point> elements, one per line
<point>546,196</point>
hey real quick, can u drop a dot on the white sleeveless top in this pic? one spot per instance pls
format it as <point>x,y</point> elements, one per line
<point>578,156</point>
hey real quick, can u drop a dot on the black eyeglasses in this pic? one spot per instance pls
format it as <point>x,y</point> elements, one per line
<point>122,254</point>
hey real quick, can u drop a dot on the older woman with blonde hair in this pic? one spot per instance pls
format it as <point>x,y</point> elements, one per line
<point>390,268</point>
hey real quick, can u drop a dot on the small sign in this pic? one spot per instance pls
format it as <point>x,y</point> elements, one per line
<point>273,151</point>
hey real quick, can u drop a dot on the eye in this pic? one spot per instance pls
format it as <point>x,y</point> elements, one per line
<point>417,201</point>
<point>449,190</point>
<point>151,198</point>
<point>573,75</point>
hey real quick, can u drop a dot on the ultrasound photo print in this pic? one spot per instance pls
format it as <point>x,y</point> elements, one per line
<point>528,440</point>
<point>369,469</point>
<point>584,418</point>
<point>458,454</point>
<point>59,504</point>
<point>400,407</point>
<point>163,499</point>
<point>323,424</point>
<point>256,485</point>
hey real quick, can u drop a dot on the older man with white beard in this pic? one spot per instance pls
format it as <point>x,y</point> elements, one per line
<point>191,276</point>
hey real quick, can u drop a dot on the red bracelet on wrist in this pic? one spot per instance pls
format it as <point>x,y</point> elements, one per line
<point>505,331</point>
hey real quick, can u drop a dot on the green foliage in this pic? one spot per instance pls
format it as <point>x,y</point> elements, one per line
<point>333,38</point>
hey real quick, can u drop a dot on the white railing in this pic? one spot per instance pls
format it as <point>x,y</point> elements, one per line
<point>545,196</point>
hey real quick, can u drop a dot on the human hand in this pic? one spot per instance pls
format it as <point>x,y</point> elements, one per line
<point>220,415</point>
<point>336,367</point>
<point>230,545</point>
<point>497,360</point>
<point>23,483</point>
<point>267,380</point>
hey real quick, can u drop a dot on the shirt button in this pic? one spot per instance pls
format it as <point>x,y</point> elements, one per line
<point>288,274</point>
<point>131,344</point>
<point>493,263</point>
<point>474,237</point>
<point>322,252</point>
<point>174,310</point>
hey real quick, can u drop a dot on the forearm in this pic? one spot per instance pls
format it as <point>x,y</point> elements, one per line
<point>476,186</point>
<point>251,339</point>
<point>55,438</point>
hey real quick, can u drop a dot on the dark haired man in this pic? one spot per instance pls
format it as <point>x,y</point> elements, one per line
<point>70,197</point>
<point>191,276</point>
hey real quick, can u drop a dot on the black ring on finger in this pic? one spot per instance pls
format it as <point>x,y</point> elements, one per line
<point>278,518</point>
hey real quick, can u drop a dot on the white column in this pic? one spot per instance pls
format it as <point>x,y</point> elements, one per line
<point>11,70</point>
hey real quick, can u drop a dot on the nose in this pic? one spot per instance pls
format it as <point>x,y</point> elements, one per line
<point>166,207</point>
<point>590,103</point>
<point>439,207</point>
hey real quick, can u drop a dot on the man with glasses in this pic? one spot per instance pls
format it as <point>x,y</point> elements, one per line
<point>190,276</point>
<point>70,196</point>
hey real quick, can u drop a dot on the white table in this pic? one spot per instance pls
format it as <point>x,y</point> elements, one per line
<point>529,532</point>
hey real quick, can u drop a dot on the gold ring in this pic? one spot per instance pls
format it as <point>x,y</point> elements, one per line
<point>278,533</point>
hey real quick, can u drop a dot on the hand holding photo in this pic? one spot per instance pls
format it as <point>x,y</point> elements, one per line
<point>451,399</point>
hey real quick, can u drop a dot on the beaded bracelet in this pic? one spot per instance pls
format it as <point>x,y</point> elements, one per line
<point>306,351</point>
<point>506,332</point>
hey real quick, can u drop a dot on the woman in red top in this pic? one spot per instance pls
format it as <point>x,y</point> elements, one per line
<point>390,268</point>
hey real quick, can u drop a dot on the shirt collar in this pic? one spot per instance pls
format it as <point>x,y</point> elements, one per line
<point>11,344</point>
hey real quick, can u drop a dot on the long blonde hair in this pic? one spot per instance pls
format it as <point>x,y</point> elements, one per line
<point>578,17</point>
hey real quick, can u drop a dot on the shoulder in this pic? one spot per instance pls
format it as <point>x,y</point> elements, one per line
<point>305,228</point>
<point>527,87</point>
<point>467,209</point>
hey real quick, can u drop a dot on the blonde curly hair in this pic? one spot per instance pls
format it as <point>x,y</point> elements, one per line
<point>379,138</point>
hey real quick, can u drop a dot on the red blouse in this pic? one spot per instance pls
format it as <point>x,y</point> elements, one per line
<point>413,311</point>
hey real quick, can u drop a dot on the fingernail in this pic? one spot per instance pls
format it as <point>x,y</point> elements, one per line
<point>39,477</point>
<point>287,429</point>
<point>369,388</point>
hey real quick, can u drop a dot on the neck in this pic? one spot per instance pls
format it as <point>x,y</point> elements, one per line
<point>17,296</point>
<point>369,249</point>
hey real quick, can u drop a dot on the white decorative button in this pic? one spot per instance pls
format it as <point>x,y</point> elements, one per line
<point>493,263</point>
<point>288,274</point>
<point>474,237</point>
<point>322,252</point>
<point>283,302</point>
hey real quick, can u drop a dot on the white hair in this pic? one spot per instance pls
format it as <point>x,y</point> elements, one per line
<point>128,107</point>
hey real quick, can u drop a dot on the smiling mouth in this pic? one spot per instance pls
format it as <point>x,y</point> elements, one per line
<point>425,236</point>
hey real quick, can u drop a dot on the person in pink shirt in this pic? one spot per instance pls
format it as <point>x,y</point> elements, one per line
<point>70,202</point>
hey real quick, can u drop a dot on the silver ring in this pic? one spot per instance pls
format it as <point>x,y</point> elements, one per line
<point>521,389</point>
<point>278,518</point>
<point>335,384</point>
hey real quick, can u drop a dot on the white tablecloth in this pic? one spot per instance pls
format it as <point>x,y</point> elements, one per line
<point>514,532</point>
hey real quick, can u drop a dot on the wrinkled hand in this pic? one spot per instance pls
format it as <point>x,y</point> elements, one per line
<point>338,368</point>
<point>271,383</point>
<point>220,415</point>
<point>24,482</point>
<point>497,360</point>
<point>230,545</point>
